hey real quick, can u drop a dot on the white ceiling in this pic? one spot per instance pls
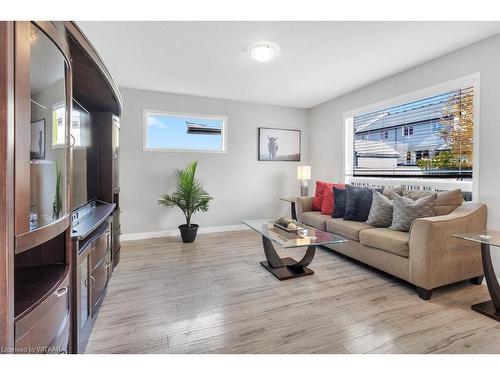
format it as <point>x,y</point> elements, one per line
<point>318,60</point>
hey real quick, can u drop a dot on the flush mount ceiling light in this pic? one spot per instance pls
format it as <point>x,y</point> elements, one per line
<point>263,51</point>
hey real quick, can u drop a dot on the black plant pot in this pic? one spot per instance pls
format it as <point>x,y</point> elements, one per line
<point>188,234</point>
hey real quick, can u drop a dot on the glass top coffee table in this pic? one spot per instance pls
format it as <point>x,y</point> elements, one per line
<point>487,239</point>
<point>289,268</point>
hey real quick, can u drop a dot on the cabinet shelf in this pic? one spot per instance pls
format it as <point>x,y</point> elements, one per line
<point>33,284</point>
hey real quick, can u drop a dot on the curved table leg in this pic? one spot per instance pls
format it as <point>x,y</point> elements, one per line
<point>286,268</point>
<point>489,308</point>
<point>305,261</point>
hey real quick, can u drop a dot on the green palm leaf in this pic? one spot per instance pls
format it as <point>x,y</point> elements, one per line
<point>189,194</point>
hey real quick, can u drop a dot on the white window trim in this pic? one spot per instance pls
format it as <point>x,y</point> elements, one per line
<point>55,107</point>
<point>455,84</point>
<point>147,112</point>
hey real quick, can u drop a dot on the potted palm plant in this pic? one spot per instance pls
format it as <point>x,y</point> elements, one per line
<point>190,197</point>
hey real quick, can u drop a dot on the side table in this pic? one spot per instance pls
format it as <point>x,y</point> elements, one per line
<point>487,239</point>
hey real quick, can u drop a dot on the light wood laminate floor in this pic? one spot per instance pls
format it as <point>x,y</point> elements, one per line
<point>213,296</point>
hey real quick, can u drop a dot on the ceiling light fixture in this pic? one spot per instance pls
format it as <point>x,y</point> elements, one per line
<point>263,51</point>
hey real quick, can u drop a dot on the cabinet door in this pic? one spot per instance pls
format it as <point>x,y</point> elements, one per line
<point>101,246</point>
<point>85,284</point>
<point>42,137</point>
<point>101,276</point>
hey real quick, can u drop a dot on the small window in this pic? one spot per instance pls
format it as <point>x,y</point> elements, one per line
<point>58,126</point>
<point>184,132</point>
<point>407,131</point>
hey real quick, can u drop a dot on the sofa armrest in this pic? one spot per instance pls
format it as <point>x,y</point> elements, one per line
<point>304,204</point>
<point>437,258</point>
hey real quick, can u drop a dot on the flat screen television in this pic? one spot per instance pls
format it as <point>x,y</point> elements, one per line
<point>85,182</point>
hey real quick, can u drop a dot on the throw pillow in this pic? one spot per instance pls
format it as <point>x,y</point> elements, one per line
<point>340,200</point>
<point>329,199</point>
<point>381,211</point>
<point>358,202</point>
<point>318,196</point>
<point>388,192</point>
<point>407,210</point>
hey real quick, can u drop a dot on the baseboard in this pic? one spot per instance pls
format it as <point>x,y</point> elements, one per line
<point>175,232</point>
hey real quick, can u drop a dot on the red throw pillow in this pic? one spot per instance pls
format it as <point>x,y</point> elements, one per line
<point>318,196</point>
<point>328,199</point>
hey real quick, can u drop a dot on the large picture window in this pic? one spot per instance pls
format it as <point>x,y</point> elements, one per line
<point>184,132</point>
<point>428,138</point>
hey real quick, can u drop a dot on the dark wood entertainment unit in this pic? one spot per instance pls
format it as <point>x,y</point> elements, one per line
<point>59,186</point>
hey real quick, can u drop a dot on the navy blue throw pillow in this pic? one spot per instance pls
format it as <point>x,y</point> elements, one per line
<point>339,206</point>
<point>358,202</point>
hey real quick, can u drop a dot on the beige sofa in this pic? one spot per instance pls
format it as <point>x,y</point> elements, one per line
<point>427,256</point>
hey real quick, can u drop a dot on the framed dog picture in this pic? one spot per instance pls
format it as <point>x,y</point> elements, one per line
<point>279,144</point>
<point>37,150</point>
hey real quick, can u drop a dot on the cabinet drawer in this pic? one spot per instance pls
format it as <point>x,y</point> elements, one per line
<point>61,343</point>
<point>100,280</point>
<point>37,331</point>
<point>100,248</point>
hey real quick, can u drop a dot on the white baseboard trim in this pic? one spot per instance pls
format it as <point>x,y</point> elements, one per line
<point>175,232</point>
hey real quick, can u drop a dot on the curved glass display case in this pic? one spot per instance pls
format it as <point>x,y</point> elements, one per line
<point>48,132</point>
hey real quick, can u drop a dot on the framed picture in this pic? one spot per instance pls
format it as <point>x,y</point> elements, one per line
<point>37,150</point>
<point>279,144</point>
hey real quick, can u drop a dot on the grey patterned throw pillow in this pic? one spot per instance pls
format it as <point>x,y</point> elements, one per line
<point>406,211</point>
<point>381,211</point>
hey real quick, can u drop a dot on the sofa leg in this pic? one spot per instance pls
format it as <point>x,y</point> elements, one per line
<point>424,293</point>
<point>477,280</point>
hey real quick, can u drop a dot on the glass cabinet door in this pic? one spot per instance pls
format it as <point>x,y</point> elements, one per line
<point>49,140</point>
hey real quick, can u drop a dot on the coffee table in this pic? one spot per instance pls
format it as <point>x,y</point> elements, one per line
<point>289,268</point>
<point>487,238</point>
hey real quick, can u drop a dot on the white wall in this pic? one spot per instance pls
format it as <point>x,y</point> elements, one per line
<point>326,120</point>
<point>242,187</point>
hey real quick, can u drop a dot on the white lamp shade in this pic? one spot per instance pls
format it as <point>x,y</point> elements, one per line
<point>304,172</point>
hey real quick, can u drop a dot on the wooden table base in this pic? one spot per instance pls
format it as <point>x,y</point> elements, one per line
<point>286,268</point>
<point>489,308</point>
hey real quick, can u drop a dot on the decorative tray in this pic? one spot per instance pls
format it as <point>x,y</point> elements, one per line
<point>280,226</point>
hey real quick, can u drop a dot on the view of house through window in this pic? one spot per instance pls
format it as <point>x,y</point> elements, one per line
<point>169,131</point>
<point>428,138</point>
<point>58,125</point>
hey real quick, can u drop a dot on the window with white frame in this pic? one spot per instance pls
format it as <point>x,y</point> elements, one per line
<point>58,125</point>
<point>164,131</point>
<point>427,141</point>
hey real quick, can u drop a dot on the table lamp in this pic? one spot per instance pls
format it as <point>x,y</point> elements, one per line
<point>304,175</point>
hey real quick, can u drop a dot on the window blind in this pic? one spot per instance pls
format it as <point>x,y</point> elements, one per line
<point>431,137</point>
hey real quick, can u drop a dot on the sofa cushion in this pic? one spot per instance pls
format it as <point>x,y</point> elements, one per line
<point>339,196</point>
<point>389,192</point>
<point>406,211</point>
<point>358,202</point>
<point>328,198</point>
<point>318,196</point>
<point>381,212</point>
<point>346,228</point>
<point>446,201</point>
<point>386,239</point>
<point>314,219</point>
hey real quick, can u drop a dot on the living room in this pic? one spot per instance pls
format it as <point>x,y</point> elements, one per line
<point>253,185</point>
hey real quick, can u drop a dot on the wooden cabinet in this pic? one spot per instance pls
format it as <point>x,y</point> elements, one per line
<point>45,329</point>
<point>43,67</point>
<point>93,272</point>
